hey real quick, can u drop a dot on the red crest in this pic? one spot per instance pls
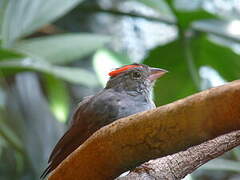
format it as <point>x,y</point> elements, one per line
<point>122,69</point>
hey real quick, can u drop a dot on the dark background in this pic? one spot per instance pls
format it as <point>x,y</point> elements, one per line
<point>55,52</point>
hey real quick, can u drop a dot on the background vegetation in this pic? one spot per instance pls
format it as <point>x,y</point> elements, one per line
<point>55,52</point>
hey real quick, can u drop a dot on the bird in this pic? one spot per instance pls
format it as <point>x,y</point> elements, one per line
<point>127,92</point>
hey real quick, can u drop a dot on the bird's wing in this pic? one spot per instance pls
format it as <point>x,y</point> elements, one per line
<point>72,139</point>
<point>67,138</point>
<point>75,129</point>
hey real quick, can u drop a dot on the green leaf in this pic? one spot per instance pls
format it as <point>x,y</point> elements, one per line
<point>110,60</point>
<point>61,49</point>
<point>219,57</point>
<point>2,96</point>
<point>9,54</point>
<point>188,5</point>
<point>188,177</point>
<point>178,82</point>
<point>222,164</point>
<point>236,153</point>
<point>3,4</point>
<point>20,163</point>
<point>58,97</point>
<point>70,74</point>
<point>159,6</point>
<point>23,17</point>
<point>10,137</point>
<point>185,18</point>
<point>225,29</point>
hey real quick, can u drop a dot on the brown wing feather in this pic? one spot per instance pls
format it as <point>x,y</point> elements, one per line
<point>68,143</point>
<point>71,140</point>
<point>64,141</point>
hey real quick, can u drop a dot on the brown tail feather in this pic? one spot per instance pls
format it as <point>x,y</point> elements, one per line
<point>71,140</point>
<point>73,132</point>
<point>61,155</point>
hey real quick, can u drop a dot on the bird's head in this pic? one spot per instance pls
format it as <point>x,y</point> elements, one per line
<point>134,77</point>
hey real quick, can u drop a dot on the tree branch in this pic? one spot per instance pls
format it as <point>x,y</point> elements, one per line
<point>130,141</point>
<point>178,165</point>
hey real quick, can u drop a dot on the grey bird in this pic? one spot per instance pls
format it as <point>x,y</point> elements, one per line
<point>127,92</point>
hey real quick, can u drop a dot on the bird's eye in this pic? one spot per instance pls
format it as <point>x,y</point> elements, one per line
<point>136,75</point>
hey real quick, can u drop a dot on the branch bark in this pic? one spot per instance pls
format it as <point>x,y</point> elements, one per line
<point>130,141</point>
<point>177,166</point>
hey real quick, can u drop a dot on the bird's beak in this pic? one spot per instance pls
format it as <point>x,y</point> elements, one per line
<point>156,73</point>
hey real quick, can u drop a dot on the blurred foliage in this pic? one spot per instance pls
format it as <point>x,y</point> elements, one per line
<point>48,63</point>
